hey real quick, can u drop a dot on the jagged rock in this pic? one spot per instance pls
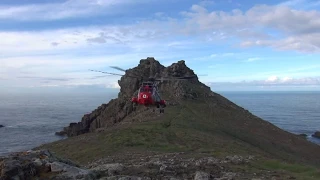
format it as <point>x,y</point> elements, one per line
<point>201,176</point>
<point>303,135</point>
<point>14,168</point>
<point>117,109</point>
<point>227,176</point>
<point>125,178</point>
<point>236,159</point>
<point>29,164</point>
<point>66,170</point>
<point>109,169</point>
<point>316,134</point>
<point>61,133</point>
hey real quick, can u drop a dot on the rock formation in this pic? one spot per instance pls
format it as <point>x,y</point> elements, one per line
<point>316,134</point>
<point>43,165</point>
<point>40,165</point>
<point>1,126</point>
<point>117,109</point>
<point>213,120</point>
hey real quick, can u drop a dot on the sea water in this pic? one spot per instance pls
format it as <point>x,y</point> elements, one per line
<point>32,119</point>
<point>296,112</point>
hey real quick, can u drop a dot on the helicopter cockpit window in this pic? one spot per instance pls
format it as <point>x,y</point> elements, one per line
<point>143,89</point>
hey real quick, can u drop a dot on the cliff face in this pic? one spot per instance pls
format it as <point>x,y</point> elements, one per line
<point>117,109</point>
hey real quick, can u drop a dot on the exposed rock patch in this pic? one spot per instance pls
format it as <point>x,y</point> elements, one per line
<point>303,136</point>
<point>316,134</point>
<point>40,164</point>
<point>43,165</point>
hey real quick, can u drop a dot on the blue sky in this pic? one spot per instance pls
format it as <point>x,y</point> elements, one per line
<point>239,45</point>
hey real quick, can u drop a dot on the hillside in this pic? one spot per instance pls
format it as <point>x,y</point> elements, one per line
<point>197,123</point>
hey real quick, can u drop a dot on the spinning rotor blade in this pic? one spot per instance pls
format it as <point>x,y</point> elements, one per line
<point>116,67</point>
<point>113,73</point>
<point>120,69</point>
<point>106,72</point>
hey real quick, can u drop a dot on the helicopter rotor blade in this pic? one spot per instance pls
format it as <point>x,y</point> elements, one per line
<point>106,72</point>
<point>118,68</point>
<point>114,73</point>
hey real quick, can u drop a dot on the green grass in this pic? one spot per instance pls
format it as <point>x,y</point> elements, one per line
<point>178,130</point>
<point>300,171</point>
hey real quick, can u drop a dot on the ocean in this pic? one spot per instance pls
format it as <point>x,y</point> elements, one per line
<point>295,112</point>
<point>32,119</point>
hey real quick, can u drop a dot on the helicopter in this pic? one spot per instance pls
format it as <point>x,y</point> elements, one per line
<point>148,93</point>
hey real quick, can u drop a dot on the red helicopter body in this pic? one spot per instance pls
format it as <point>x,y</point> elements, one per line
<point>148,96</point>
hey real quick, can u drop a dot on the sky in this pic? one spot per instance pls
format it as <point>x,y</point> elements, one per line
<point>234,45</point>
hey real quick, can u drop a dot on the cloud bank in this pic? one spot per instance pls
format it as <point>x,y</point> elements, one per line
<point>66,52</point>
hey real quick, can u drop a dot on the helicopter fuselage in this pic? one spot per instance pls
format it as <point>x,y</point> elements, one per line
<point>148,95</point>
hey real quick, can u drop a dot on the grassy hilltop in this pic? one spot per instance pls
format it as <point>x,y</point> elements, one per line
<point>197,122</point>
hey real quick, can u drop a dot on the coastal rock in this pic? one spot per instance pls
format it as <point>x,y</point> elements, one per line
<point>168,166</point>
<point>61,133</point>
<point>201,176</point>
<point>31,164</point>
<point>109,169</point>
<point>303,135</point>
<point>316,134</point>
<point>69,171</point>
<point>42,164</point>
<point>116,110</point>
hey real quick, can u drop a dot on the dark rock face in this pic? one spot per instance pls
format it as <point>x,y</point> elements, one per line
<point>40,165</point>
<point>316,134</point>
<point>170,166</point>
<point>303,135</point>
<point>117,109</point>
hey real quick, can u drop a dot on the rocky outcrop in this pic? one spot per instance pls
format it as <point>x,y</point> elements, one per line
<point>117,109</point>
<point>41,165</point>
<point>303,135</point>
<point>169,166</point>
<point>316,134</point>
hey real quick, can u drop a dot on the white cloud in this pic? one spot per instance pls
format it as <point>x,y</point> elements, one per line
<point>44,52</point>
<point>253,59</point>
<point>299,29</point>
<point>301,4</point>
<point>273,81</point>
<point>67,9</point>
<point>206,3</point>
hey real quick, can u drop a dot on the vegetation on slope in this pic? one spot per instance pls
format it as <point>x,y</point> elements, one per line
<point>189,127</point>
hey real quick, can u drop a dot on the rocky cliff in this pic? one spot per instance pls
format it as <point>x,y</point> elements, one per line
<point>117,109</point>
